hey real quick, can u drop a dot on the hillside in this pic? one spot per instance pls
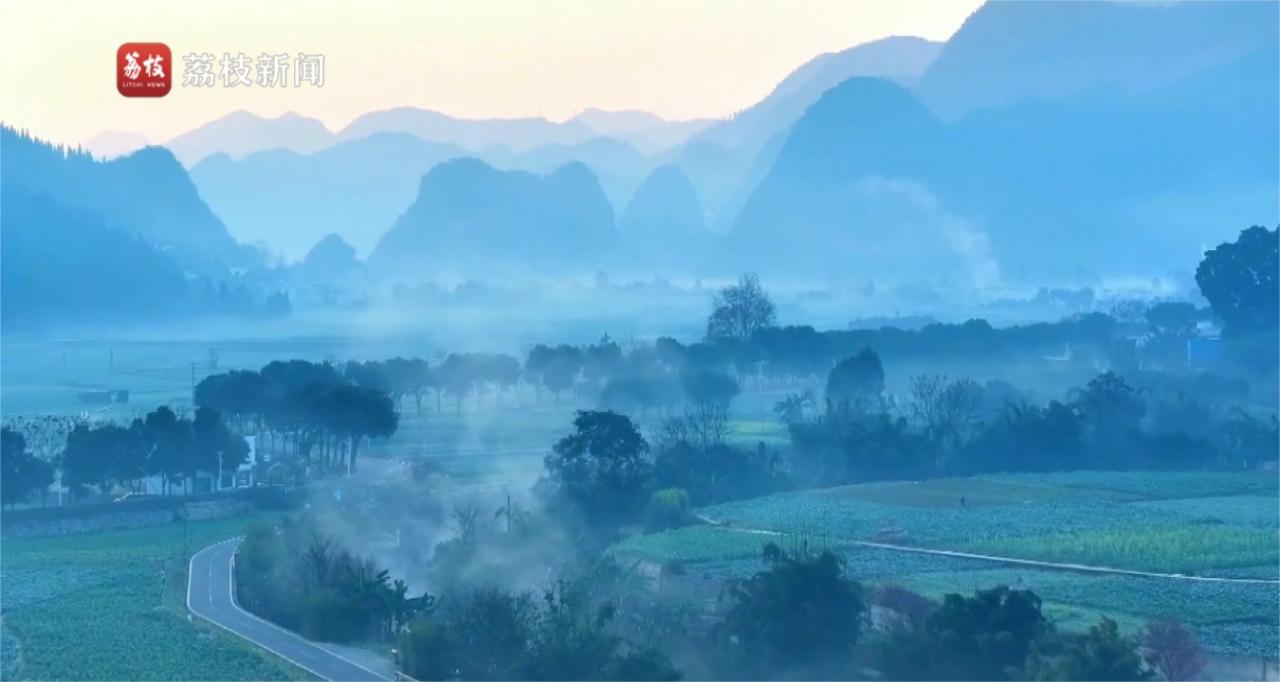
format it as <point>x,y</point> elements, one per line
<point>1099,181</point>
<point>472,220</point>
<point>146,194</point>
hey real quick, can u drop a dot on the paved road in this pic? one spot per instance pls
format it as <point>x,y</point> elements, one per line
<point>209,596</point>
<point>1053,565</point>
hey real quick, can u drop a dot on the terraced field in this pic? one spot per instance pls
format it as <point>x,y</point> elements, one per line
<point>1207,524</point>
<point>109,605</point>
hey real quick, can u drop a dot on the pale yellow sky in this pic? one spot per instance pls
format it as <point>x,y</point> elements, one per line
<point>676,58</point>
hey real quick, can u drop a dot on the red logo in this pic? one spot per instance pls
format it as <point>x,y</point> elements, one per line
<point>144,69</point>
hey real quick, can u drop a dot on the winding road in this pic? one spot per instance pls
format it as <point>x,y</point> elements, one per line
<point>210,596</point>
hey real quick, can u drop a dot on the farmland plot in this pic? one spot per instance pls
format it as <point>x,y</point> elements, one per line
<point>109,606</point>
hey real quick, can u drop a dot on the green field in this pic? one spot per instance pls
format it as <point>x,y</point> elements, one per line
<point>1208,524</point>
<point>111,605</point>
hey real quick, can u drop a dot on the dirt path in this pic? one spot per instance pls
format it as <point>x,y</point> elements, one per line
<point>1052,565</point>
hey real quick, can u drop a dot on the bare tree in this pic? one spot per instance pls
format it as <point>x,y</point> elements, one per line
<point>943,410</point>
<point>702,426</point>
<point>1172,650</point>
<point>740,310</point>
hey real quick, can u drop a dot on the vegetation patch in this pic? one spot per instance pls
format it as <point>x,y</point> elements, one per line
<point>1158,485</point>
<point>1252,510</point>
<point>93,607</point>
<point>975,492</point>
<point>1185,549</point>
<point>695,543</point>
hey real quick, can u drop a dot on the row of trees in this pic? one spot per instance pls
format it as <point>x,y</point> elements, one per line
<point>799,617</point>
<point>22,472</point>
<point>307,409</point>
<point>104,456</point>
<point>958,427</point>
<point>295,576</point>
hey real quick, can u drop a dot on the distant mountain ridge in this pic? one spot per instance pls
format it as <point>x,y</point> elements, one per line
<point>471,220</point>
<point>241,133</point>
<point>1100,180</point>
<point>147,194</point>
<point>88,243</point>
<point>358,188</point>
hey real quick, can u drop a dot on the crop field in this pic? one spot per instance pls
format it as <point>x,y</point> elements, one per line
<point>1161,485</point>
<point>110,605</point>
<point>1250,510</point>
<point>1210,524</point>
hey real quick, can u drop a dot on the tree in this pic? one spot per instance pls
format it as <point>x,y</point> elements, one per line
<point>693,455</point>
<point>1102,654</point>
<point>793,407</point>
<point>984,637</point>
<point>457,376</point>
<point>216,447</point>
<point>1175,318</point>
<point>709,389</point>
<point>561,372</point>
<point>799,617</point>
<point>356,413</point>
<point>598,473</point>
<point>944,410</point>
<point>1172,651</point>
<point>415,378</point>
<point>238,394</point>
<point>1113,411</point>
<point>168,445</point>
<point>856,382</point>
<point>1239,281</point>
<point>1027,438</point>
<point>21,472</point>
<point>572,641</point>
<point>601,360</point>
<point>740,310</point>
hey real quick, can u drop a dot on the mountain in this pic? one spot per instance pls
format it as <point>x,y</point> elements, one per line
<point>356,189</point>
<point>331,262</point>
<point>62,265</point>
<point>240,133</point>
<point>517,134</point>
<point>290,200</point>
<point>664,225</point>
<point>821,209</point>
<point>146,194</point>
<point>110,144</point>
<point>901,59</point>
<point>644,131</point>
<point>616,164</point>
<point>1010,52</point>
<point>1112,180</point>
<point>471,220</point>
<point>727,160</point>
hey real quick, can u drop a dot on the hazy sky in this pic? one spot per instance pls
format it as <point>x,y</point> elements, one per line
<point>676,58</point>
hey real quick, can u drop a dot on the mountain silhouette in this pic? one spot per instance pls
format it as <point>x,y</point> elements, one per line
<point>471,220</point>
<point>241,133</point>
<point>664,225</point>
<point>1111,179</point>
<point>517,134</point>
<point>290,201</point>
<point>147,194</point>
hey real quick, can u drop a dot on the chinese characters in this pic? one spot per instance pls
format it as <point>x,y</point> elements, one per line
<point>266,71</point>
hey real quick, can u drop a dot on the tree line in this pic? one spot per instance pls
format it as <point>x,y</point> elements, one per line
<point>108,455</point>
